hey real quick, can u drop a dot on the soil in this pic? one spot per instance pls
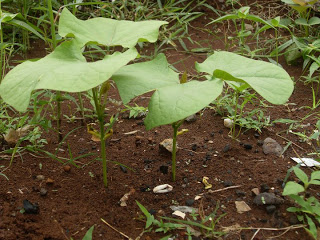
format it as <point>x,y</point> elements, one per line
<point>76,198</point>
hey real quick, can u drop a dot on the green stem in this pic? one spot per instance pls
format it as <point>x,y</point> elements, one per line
<point>81,107</point>
<point>2,51</point>
<point>100,113</point>
<point>235,116</point>
<point>276,35</point>
<point>52,23</point>
<point>174,150</point>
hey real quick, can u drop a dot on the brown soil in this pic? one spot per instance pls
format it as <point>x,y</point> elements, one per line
<point>77,199</point>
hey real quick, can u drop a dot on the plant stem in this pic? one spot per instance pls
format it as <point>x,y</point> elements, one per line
<point>81,108</point>
<point>100,113</point>
<point>174,150</point>
<point>54,45</point>
<point>277,53</point>
<point>235,116</point>
<point>2,51</point>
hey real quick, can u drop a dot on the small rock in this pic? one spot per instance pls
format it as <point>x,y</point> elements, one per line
<point>191,118</point>
<point>66,168</point>
<point>49,181</point>
<point>212,134</point>
<point>267,199</point>
<point>164,169</point>
<point>271,208</point>
<point>264,188</point>
<point>255,191</point>
<point>227,183</point>
<point>30,208</point>
<point>260,143</point>
<point>226,148</point>
<point>43,191</point>
<point>194,147</point>
<point>256,135</point>
<point>293,220</point>
<point>152,211</point>
<point>247,146</point>
<point>123,169</point>
<point>271,146</point>
<point>240,193</point>
<point>40,177</point>
<point>166,145</point>
<point>242,207</point>
<point>189,202</point>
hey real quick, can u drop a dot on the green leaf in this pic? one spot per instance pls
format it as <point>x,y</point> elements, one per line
<point>315,182</point>
<point>136,79</point>
<point>173,103</point>
<point>88,235</point>
<point>28,26</point>
<point>270,81</point>
<point>315,175</point>
<point>314,21</point>
<point>243,12</point>
<point>312,228</point>
<point>292,188</point>
<point>301,175</point>
<point>225,17</point>
<point>108,32</point>
<point>301,21</point>
<point>65,69</point>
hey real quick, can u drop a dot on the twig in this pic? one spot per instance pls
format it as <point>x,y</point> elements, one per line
<point>223,189</point>
<point>255,234</point>
<point>122,234</point>
<point>290,141</point>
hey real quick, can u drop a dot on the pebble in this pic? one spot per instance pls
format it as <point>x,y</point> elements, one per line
<point>227,183</point>
<point>240,193</point>
<point>267,199</point>
<point>271,146</point>
<point>49,181</point>
<point>30,208</point>
<point>247,146</point>
<point>40,177</point>
<point>271,208</point>
<point>164,169</point>
<point>123,169</point>
<point>66,168</point>
<point>264,188</point>
<point>194,147</point>
<point>256,135</point>
<point>189,202</point>
<point>191,118</point>
<point>43,191</point>
<point>226,148</point>
<point>255,191</point>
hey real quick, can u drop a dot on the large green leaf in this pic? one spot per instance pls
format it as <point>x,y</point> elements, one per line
<point>270,81</point>
<point>173,103</point>
<point>108,32</point>
<point>65,69</point>
<point>136,79</point>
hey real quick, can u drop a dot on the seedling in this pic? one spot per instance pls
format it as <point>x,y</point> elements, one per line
<point>172,104</point>
<point>309,209</point>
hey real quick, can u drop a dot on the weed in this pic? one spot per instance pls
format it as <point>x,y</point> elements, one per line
<point>309,209</point>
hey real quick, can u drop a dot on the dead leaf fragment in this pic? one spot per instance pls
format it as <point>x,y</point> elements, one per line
<point>242,207</point>
<point>179,214</point>
<point>125,197</point>
<point>13,136</point>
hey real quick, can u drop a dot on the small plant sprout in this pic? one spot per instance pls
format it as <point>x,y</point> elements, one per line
<point>309,209</point>
<point>172,104</point>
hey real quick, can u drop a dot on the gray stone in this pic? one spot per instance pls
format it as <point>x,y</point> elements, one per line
<point>267,199</point>
<point>271,146</point>
<point>191,118</point>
